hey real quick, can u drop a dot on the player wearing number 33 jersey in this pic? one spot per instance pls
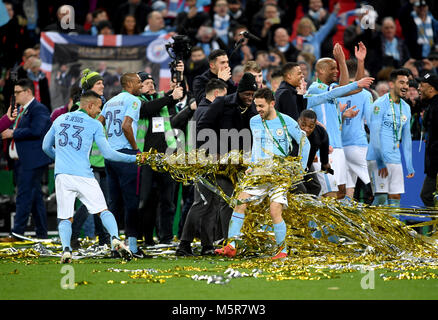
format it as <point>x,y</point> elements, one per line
<point>73,135</point>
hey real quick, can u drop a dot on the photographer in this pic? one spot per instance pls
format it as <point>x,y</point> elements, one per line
<point>159,116</point>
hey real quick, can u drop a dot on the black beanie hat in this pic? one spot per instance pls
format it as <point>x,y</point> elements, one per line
<point>247,83</point>
<point>144,76</point>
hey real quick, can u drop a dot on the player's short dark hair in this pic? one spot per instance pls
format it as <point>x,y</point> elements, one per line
<point>26,84</point>
<point>398,72</point>
<point>277,73</point>
<point>264,93</point>
<point>288,67</point>
<point>215,84</point>
<point>89,94</point>
<point>215,54</point>
<point>309,114</point>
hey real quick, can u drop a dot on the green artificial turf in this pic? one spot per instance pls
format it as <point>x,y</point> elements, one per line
<point>41,279</point>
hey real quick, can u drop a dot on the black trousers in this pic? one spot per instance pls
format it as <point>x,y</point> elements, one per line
<point>208,214</point>
<point>429,187</point>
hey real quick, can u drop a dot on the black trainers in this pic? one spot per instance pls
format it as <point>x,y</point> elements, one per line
<point>75,244</point>
<point>207,251</point>
<point>115,254</point>
<point>140,254</point>
<point>184,250</point>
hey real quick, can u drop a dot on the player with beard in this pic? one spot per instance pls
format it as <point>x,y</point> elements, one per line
<point>389,123</point>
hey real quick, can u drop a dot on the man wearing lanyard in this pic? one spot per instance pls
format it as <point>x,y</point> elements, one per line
<point>389,123</point>
<point>271,131</point>
<point>31,162</point>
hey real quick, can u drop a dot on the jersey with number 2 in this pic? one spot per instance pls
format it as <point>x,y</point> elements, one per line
<point>115,110</point>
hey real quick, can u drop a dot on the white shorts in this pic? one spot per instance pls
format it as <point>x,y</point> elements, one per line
<point>338,164</point>
<point>392,184</point>
<point>327,181</point>
<point>87,190</point>
<point>356,157</point>
<point>277,194</point>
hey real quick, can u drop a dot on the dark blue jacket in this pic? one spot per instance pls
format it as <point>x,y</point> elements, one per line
<point>29,135</point>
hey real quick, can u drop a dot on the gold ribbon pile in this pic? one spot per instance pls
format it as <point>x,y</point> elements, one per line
<point>316,226</point>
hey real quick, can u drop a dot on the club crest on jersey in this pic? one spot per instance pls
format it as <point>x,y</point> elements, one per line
<point>279,132</point>
<point>376,109</point>
<point>404,118</point>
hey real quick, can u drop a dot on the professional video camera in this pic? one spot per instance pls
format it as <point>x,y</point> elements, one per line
<point>180,51</point>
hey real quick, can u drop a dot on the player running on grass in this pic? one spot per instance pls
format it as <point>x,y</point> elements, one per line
<point>69,142</point>
<point>271,131</point>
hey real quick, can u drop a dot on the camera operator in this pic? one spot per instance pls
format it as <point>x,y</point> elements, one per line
<point>219,69</point>
<point>159,116</point>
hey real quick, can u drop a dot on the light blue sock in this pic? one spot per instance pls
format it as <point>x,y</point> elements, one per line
<point>132,242</point>
<point>235,225</point>
<point>280,234</point>
<point>380,199</point>
<point>394,203</point>
<point>110,224</point>
<point>64,229</point>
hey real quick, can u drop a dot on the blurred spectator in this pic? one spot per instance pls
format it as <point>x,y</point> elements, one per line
<point>357,32</point>
<point>276,77</point>
<point>276,58</point>
<point>14,38</point>
<point>420,28</point>
<point>309,39</point>
<point>40,82</point>
<point>244,53</point>
<point>283,44</point>
<point>155,26</point>
<point>382,88</point>
<point>307,72</point>
<point>189,22</point>
<point>105,28</point>
<point>196,65</point>
<point>97,15</point>
<point>237,74</point>
<point>255,69</point>
<point>134,7</point>
<point>129,26</point>
<point>110,80</point>
<point>208,40</point>
<point>236,13</point>
<point>309,59</point>
<point>63,23</point>
<point>433,58</point>
<point>221,20</point>
<point>386,49</point>
<point>319,17</point>
<point>64,80</point>
<point>262,59</point>
<point>75,91</point>
<point>265,22</point>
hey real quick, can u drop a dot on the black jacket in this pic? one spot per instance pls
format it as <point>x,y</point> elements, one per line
<point>200,82</point>
<point>319,140</point>
<point>226,113</point>
<point>287,100</point>
<point>152,108</point>
<point>430,124</point>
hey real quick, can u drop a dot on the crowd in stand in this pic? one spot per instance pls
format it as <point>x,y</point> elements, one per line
<point>301,50</point>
